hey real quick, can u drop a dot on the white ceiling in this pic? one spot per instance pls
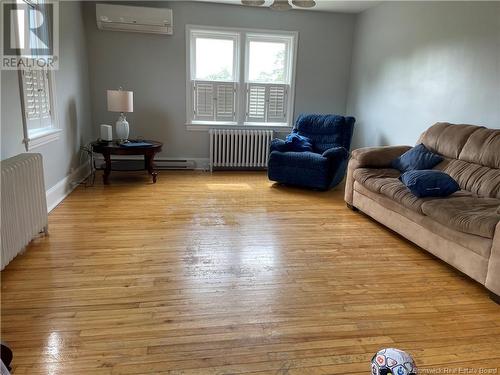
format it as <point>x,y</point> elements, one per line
<point>321,5</point>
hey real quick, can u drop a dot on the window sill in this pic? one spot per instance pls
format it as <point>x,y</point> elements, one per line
<point>41,138</point>
<point>206,126</point>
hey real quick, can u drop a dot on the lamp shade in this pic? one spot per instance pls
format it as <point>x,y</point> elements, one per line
<point>120,101</point>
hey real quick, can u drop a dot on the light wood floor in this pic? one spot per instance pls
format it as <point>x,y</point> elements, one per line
<point>228,274</point>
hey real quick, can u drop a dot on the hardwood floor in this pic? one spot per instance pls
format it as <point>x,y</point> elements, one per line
<point>229,274</point>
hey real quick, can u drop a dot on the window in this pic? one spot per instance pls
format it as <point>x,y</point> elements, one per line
<point>37,103</point>
<point>37,86</point>
<point>214,74</point>
<point>240,77</point>
<point>268,78</point>
<point>40,125</point>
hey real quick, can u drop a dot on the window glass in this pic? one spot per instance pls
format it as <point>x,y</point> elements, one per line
<point>214,59</point>
<point>267,62</point>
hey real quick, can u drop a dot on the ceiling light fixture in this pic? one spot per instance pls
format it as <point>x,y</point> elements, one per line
<point>281,4</point>
<point>304,3</point>
<point>253,3</point>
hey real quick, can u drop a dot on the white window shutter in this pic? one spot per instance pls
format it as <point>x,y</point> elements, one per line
<point>36,98</point>
<point>277,103</point>
<point>256,102</point>
<point>267,103</point>
<point>203,100</point>
<point>225,102</point>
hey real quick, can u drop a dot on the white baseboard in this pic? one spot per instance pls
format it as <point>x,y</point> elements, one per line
<point>63,188</point>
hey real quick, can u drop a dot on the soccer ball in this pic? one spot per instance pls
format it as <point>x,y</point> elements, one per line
<point>393,362</point>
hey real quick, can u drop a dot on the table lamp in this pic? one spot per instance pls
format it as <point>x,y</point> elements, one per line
<point>121,101</point>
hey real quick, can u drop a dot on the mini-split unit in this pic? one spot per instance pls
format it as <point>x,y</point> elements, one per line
<point>134,19</point>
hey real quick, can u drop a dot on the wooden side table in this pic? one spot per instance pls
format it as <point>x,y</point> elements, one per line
<point>113,148</point>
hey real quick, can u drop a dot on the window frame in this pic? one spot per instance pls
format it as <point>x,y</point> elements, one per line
<point>245,36</point>
<point>34,139</point>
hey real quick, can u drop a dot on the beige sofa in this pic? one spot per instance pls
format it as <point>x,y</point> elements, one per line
<point>462,229</point>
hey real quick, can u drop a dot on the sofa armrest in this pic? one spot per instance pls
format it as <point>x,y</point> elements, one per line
<point>337,153</point>
<point>374,157</point>
<point>337,159</point>
<point>493,275</point>
<point>378,157</point>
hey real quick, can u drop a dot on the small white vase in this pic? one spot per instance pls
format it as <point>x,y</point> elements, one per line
<point>122,128</point>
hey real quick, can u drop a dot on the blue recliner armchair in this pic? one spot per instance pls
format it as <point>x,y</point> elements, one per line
<point>322,168</point>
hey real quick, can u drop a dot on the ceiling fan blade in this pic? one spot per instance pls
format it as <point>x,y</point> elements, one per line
<point>281,5</point>
<point>253,3</point>
<point>304,3</point>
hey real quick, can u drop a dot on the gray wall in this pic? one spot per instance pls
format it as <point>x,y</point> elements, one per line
<point>73,102</point>
<point>416,63</point>
<point>154,67</point>
<point>413,64</point>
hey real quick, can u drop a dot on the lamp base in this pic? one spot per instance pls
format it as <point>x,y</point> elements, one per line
<point>122,128</point>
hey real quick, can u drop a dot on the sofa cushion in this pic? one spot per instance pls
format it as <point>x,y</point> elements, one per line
<point>447,139</point>
<point>300,168</point>
<point>477,244</point>
<point>386,182</point>
<point>418,157</point>
<point>429,183</point>
<point>472,215</point>
<point>399,193</point>
<point>471,155</point>
<point>478,179</point>
<point>374,178</point>
<point>483,147</point>
<point>304,160</point>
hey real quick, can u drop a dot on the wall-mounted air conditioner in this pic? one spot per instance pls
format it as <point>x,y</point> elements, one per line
<point>134,19</point>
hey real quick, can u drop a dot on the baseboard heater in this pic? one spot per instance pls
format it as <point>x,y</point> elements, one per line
<point>138,163</point>
<point>175,164</point>
<point>239,149</point>
<point>24,203</point>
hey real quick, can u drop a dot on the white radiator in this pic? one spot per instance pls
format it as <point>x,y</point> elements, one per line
<point>233,148</point>
<point>24,204</point>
